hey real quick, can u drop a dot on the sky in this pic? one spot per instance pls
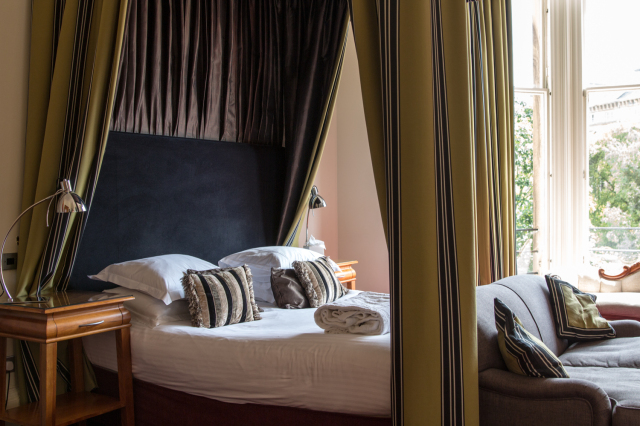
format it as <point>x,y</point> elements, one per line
<point>611,51</point>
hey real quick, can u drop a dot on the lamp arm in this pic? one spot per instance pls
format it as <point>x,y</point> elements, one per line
<point>306,241</point>
<point>4,286</point>
<point>311,200</point>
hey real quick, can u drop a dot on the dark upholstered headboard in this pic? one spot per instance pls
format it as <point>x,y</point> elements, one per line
<point>161,195</point>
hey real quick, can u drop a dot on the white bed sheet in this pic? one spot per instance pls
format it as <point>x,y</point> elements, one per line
<point>284,359</point>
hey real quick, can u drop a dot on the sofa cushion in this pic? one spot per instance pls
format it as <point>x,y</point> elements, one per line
<point>614,353</point>
<point>522,352</point>
<point>631,283</point>
<point>488,352</point>
<point>532,289</point>
<point>621,384</point>
<point>513,291</point>
<point>588,280</point>
<point>607,286</point>
<point>576,315</point>
<point>619,305</point>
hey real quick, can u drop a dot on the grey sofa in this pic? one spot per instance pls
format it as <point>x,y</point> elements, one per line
<point>604,384</point>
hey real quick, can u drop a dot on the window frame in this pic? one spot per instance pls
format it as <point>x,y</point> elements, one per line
<point>594,89</point>
<point>569,154</point>
<point>567,162</point>
<point>545,93</point>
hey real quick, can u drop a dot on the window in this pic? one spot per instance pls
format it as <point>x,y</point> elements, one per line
<point>531,106</point>
<point>577,142</point>
<point>612,96</point>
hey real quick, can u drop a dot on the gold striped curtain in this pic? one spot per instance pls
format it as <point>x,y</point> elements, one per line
<point>493,118</point>
<point>415,74</point>
<point>75,52</point>
<point>437,89</point>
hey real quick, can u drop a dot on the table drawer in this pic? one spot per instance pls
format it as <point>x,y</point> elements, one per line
<point>86,321</point>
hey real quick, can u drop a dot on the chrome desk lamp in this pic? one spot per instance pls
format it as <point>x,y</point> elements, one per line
<point>315,202</point>
<point>68,202</point>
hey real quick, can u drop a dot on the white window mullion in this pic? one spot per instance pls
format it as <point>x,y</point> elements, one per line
<point>579,175</point>
<point>567,160</point>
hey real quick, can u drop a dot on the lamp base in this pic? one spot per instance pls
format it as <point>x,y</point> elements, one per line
<point>23,300</point>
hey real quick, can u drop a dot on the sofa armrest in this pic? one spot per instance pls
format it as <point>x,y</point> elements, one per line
<point>508,398</point>
<point>626,328</point>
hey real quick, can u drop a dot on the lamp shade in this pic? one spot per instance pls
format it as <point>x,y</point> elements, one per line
<point>317,203</point>
<point>70,202</point>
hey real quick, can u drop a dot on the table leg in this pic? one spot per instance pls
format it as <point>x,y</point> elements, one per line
<point>76,365</point>
<point>48,361</point>
<point>3,377</point>
<point>76,368</point>
<point>125,376</point>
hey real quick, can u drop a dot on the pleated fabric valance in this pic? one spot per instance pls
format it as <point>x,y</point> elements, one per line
<point>224,70</point>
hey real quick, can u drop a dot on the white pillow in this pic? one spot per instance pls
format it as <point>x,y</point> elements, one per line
<point>150,311</point>
<point>158,276</point>
<point>261,259</point>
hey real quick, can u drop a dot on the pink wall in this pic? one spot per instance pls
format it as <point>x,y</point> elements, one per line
<point>351,225</point>
<point>323,223</point>
<point>359,221</point>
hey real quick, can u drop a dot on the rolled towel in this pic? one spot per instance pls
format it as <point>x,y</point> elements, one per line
<point>367,313</point>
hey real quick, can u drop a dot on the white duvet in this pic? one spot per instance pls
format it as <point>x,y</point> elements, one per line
<point>284,359</point>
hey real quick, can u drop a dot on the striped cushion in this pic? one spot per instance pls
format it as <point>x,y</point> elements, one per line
<point>522,352</point>
<point>319,281</point>
<point>576,315</point>
<point>220,297</point>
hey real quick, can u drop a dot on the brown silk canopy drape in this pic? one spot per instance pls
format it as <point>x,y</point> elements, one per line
<point>205,70</point>
<point>258,72</point>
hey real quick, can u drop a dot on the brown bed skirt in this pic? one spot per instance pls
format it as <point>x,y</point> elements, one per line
<point>159,406</point>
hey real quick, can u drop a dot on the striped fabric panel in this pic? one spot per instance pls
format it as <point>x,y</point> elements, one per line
<point>32,377</point>
<point>388,24</point>
<point>586,325</point>
<point>493,137</point>
<point>220,297</point>
<point>71,156</point>
<point>319,281</point>
<point>56,253</point>
<point>73,138</point>
<point>452,378</point>
<point>523,353</point>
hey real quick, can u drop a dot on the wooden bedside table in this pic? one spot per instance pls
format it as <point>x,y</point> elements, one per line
<point>347,274</point>
<point>67,316</point>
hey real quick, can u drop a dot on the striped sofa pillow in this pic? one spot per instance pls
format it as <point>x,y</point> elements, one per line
<point>576,315</point>
<point>220,297</point>
<point>523,353</point>
<point>319,281</point>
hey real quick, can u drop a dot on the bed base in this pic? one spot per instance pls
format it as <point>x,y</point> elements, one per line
<point>159,406</point>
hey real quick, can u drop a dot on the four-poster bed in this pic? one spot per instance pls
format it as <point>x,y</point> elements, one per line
<point>155,196</point>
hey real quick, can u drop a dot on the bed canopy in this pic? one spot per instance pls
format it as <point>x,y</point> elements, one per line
<point>218,109</point>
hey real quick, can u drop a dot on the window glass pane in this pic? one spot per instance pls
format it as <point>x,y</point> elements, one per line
<point>613,135</point>
<point>530,118</point>
<point>527,43</point>
<point>611,51</point>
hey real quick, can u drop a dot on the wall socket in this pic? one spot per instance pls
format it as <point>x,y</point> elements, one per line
<point>9,261</point>
<point>11,364</point>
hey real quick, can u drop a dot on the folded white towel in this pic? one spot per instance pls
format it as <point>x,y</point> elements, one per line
<point>366,313</point>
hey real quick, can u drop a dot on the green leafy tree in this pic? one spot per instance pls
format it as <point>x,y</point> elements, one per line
<point>614,178</point>
<point>524,171</point>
